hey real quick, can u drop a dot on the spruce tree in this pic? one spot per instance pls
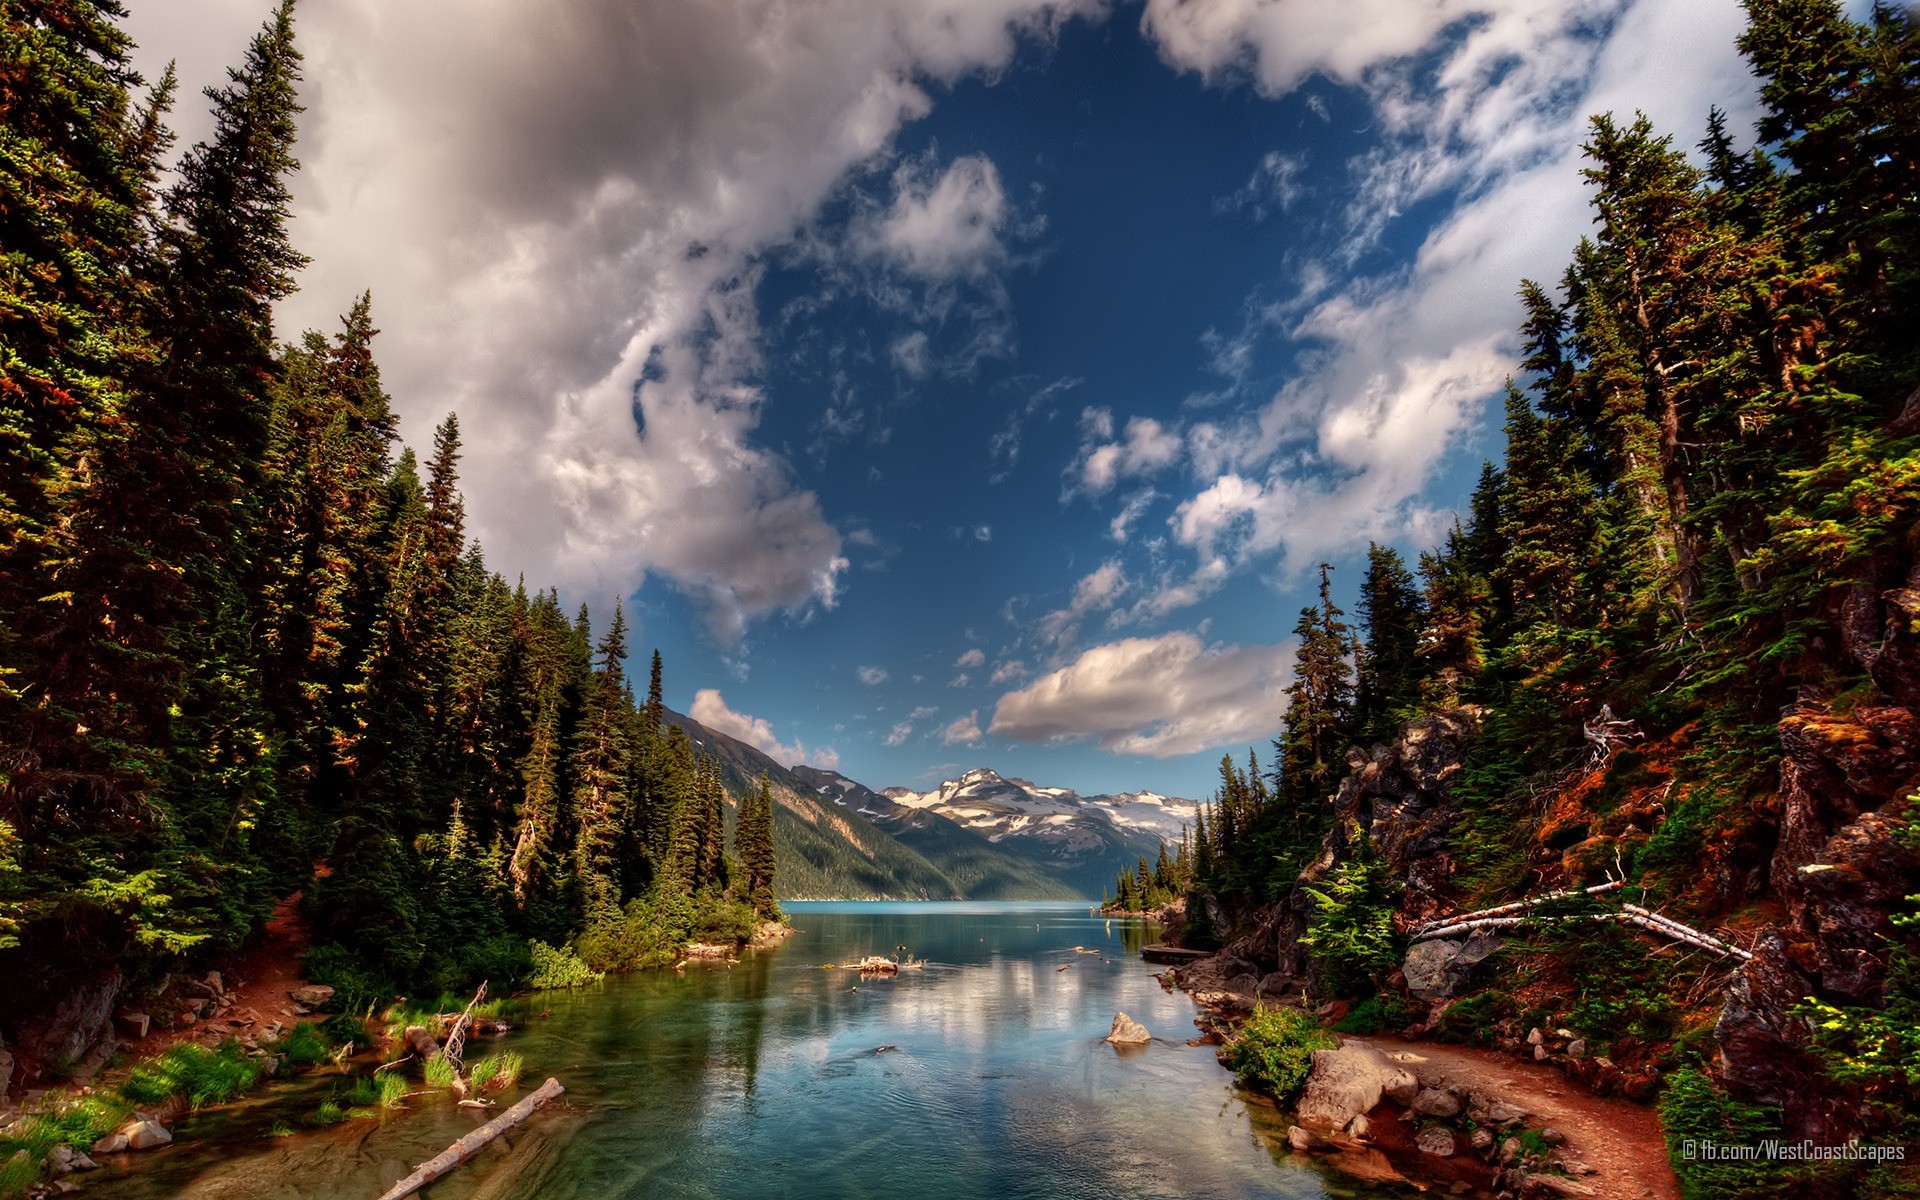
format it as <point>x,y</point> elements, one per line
<point>1392,611</point>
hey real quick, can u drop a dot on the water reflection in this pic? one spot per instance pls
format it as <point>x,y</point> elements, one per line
<point>983,1075</point>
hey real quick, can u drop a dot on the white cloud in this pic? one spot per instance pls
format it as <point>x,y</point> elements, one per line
<point>872,676</point>
<point>1274,185</point>
<point>1146,447</point>
<point>1095,592</point>
<point>1009,671</point>
<point>922,712</point>
<point>550,204</point>
<point>941,226</point>
<point>900,733</point>
<point>1482,102</point>
<point>711,710</point>
<point>963,679</point>
<point>972,658</point>
<point>964,731</point>
<point>1159,697</point>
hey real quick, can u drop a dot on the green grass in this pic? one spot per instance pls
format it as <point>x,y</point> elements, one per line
<point>80,1122</point>
<point>200,1075</point>
<point>365,1092</point>
<point>18,1171</point>
<point>305,1045</point>
<point>329,1113</point>
<point>279,1129</point>
<point>439,1072</point>
<point>393,1089</point>
<point>496,1071</point>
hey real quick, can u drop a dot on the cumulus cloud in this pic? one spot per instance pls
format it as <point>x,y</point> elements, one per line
<point>1009,671</point>
<point>711,710</point>
<point>871,676</point>
<point>553,202</point>
<point>972,658</point>
<point>1481,103</point>
<point>1145,447</point>
<point>900,733</point>
<point>1158,697</point>
<point>963,679</point>
<point>964,731</point>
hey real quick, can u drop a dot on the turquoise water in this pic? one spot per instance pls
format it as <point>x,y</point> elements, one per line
<point>982,1076</point>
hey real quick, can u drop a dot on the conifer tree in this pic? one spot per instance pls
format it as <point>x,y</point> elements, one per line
<point>1392,612</point>
<point>1318,722</point>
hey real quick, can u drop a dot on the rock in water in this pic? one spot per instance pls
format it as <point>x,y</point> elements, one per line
<point>1433,1102</point>
<point>1436,1140</point>
<point>1128,1032</point>
<point>145,1135</point>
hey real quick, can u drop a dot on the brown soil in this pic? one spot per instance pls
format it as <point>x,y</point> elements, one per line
<point>256,980</point>
<point>1620,1139</point>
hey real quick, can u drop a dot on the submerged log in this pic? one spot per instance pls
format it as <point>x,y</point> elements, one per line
<point>474,1142</point>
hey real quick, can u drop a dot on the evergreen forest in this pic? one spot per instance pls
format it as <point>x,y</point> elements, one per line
<point>247,648</point>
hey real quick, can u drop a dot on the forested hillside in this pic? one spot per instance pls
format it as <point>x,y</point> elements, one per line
<point>246,647</point>
<point>1675,643</point>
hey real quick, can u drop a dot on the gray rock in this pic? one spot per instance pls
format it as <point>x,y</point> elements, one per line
<point>313,995</point>
<point>78,1024</point>
<point>1541,1054</point>
<point>1433,1102</point>
<point>1304,1141</point>
<point>1359,1126</point>
<point>135,1023</point>
<point>1402,1090</point>
<point>1552,1136</point>
<point>1345,1083</point>
<point>145,1135</point>
<point>1577,1048</point>
<point>113,1143</point>
<point>1481,1139</point>
<point>1436,1140</point>
<point>1502,1113</point>
<point>1439,969</point>
<point>1128,1032</point>
<point>1536,1037</point>
<point>1543,1187</point>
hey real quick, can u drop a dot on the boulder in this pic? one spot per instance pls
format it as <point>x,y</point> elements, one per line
<point>1128,1032</point>
<point>1347,1082</point>
<point>313,995</point>
<point>135,1023</point>
<point>113,1143</point>
<point>1304,1141</point>
<point>1433,1102</point>
<point>145,1135</point>
<point>1440,968</point>
<point>1481,1140</point>
<point>1436,1140</point>
<point>78,1024</point>
<point>1577,1048</point>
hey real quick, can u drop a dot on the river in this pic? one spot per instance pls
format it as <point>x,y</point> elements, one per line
<point>982,1076</point>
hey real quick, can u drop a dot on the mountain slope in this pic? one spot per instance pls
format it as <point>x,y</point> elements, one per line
<point>1083,841</point>
<point>825,851</point>
<point>981,870</point>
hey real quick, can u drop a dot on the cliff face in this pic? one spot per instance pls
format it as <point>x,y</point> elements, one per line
<point>1847,779</point>
<point>1398,795</point>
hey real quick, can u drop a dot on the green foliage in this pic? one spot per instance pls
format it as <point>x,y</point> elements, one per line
<point>79,1121</point>
<point>1376,1012</point>
<point>1351,936</point>
<point>305,1045</point>
<point>329,1112</point>
<point>1471,1019</point>
<point>344,1029</point>
<point>1274,1050</point>
<point>19,1171</point>
<point>496,1071</point>
<point>194,1073</point>
<point>1693,1109</point>
<point>392,1089</point>
<point>560,968</point>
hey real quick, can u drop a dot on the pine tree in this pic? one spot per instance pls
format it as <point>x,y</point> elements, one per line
<point>600,773</point>
<point>1388,677</point>
<point>1318,724</point>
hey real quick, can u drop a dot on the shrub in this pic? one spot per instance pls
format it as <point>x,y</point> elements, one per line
<point>1373,1014</point>
<point>1351,936</point>
<point>1470,1019</point>
<point>558,968</point>
<point>1275,1050</point>
<point>1692,1109</point>
<point>503,961</point>
<point>200,1075</point>
<point>305,1045</point>
<point>346,1029</point>
<point>355,989</point>
<point>726,921</point>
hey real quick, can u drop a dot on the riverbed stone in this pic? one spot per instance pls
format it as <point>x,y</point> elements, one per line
<point>1436,1140</point>
<point>145,1135</point>
<point>1433,1102</point>
<point>1128,1032</point>
<point>113,1143</point>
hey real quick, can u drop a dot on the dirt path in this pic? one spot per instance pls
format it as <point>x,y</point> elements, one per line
<point>1620,1139</point>
<point>254,983</point>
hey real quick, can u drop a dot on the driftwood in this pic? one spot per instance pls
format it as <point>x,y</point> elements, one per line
<point>1478,918</point>
<point>457,1036</point>
<point>474,1142</point>
<point>1508,915</point>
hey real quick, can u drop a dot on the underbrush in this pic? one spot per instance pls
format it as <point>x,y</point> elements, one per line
<point>1275,1048</point>
<point>193,1072</point>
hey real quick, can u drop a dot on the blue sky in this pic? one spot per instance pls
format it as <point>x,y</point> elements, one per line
<point>950,383</point>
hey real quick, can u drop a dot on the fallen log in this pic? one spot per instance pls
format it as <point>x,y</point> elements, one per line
<point>474,1142</point>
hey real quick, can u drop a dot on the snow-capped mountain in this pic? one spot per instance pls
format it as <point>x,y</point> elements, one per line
<point>999,807</point>
<point>1080,841</point>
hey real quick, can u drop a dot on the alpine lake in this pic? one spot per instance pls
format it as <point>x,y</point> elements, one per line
<point>982,1075</point>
